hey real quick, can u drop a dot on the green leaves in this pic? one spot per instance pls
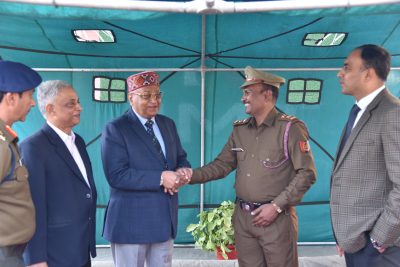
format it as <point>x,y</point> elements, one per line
<point>215,228</point>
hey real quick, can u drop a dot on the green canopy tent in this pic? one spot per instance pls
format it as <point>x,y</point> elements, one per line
<point>200,49</point>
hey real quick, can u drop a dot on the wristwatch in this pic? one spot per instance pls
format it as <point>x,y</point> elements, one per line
<point>277,208</point>
<point>375,244</point>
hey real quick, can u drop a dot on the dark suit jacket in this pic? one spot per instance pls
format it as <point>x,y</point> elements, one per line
<point>138,210</point>
<point>365,189</point>
<point>65,205</point>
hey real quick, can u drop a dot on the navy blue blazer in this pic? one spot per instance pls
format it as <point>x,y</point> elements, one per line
<point>139,212</point>
<point>65,205</point>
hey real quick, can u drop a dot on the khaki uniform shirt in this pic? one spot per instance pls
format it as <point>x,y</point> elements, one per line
<point>17,214</point>
<point>263,172</point>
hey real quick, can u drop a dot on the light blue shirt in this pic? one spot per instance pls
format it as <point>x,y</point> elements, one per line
<point>156,130</point>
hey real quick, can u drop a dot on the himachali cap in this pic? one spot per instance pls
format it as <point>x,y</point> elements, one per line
<point>16,77</point>
<point>254,76</point>
<point>143,79</point>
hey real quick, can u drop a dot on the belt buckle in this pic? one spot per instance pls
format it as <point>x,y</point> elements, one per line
<point>247,207</point>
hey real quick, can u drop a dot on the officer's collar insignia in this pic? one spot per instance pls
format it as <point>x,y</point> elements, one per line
<point>11,132</point>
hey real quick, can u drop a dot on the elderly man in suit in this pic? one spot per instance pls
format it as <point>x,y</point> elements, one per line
<point>140,151</point>
<point>365,186</point>
<point>62,185</point>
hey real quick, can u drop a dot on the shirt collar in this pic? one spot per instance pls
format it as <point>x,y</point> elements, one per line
<point>65,137</point>
<point>366,100</point>
<point>268,121</point>
<point>143,120</point>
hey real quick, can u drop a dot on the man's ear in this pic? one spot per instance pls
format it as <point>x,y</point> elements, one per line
<point>49,109</point>
<point>269,96</point>
<point>10,97</point>
<point>370,74</point>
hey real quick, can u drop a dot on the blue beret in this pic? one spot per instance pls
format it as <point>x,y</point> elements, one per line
<point>16,77</point>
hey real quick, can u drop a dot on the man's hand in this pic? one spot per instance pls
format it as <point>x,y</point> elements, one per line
<point>339,250</point>
<point>169,180</point>
<point>185,175</point>
<point>381,250</point>
<point>264,215</point>
<point>41,264</point>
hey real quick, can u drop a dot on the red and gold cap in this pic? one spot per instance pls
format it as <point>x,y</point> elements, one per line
<point>143,79</point>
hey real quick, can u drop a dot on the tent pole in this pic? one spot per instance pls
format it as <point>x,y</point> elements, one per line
<point>207,6</point>
<point>203,92</point>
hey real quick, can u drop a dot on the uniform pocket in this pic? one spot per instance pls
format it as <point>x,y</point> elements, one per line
<point>272,158</point>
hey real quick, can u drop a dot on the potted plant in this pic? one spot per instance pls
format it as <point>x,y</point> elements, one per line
<point>214,231</point>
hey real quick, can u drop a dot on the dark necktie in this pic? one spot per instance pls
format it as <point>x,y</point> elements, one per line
<point>156,143</point>
<point>349,126</point>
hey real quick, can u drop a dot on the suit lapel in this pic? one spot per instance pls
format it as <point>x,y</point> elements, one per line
<point>139,129</point>
<point>166,135</point>
<point>63,151</point>
<point>86,161</point>
<point>359,126</point>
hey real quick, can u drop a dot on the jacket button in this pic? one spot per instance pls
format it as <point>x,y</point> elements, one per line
<point>88,195</point>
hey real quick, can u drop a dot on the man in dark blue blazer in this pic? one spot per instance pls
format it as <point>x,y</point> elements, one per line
<point>62,185</point>
<point>140,152</point>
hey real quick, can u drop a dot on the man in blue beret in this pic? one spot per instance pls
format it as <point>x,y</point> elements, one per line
<point>17,85</point>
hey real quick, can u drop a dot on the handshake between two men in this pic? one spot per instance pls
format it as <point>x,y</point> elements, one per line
<point>171,181</point>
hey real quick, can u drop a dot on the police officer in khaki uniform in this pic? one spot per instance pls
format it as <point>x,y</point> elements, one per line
<point>274,168</point>
<point>17,214</point>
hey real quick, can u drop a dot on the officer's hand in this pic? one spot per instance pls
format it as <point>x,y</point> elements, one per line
<point>264,215</point>
<point>41,264</point>
<point>186,175</point>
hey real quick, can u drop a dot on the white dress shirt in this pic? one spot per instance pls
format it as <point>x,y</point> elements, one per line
<point>69,141</point>
<point>365,101</point>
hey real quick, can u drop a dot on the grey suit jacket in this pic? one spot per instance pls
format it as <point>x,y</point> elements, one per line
<point>365,185</point>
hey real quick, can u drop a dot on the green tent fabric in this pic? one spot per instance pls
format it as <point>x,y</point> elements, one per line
<point>41,37</point>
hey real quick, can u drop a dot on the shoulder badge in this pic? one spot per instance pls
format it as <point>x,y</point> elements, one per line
<point>304,146</point>
<point>241,122</point>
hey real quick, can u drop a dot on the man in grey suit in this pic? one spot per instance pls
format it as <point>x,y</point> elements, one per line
<point>365,186</point>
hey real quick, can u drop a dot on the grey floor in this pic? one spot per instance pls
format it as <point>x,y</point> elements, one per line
<point>310,256</point>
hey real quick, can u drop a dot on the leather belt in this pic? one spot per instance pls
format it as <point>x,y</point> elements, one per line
<point>249,206</point>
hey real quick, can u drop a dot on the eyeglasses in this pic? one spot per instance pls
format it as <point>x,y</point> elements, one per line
<point>147,96</point>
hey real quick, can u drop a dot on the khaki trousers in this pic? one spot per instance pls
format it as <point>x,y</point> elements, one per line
<point>271,246</point>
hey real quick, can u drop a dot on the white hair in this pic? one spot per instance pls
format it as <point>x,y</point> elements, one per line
<point>47,91</point>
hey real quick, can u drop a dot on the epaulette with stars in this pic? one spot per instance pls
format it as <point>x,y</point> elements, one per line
<point>241,122</point>
<point>285,117</point>
<point>293,120</point>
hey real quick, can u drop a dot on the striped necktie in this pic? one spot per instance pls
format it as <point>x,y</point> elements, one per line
<point>156,143</point>
<point>349,126</point>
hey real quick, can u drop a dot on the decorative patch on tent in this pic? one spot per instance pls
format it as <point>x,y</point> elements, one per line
<point>94,36</point>
<point>304,91</point>
<point>106,89</point>
<point>324,39</point>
